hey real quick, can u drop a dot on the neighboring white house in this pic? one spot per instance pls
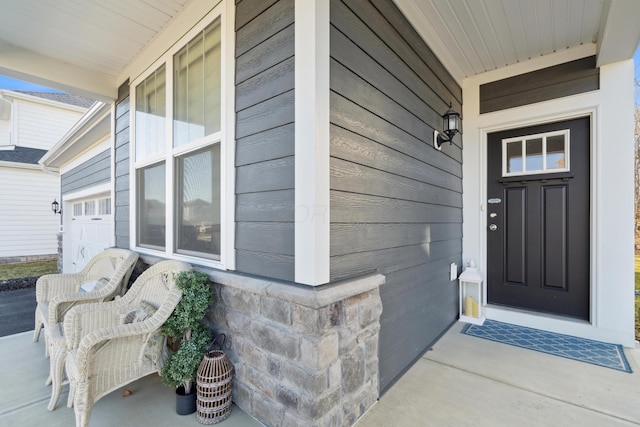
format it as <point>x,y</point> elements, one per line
<point>30,124</point>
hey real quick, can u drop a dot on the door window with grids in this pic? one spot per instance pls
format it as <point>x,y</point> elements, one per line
<point>536,154</point>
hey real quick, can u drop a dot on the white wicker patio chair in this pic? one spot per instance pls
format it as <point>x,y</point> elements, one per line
<point>57,293</point>
<point>114,343</point>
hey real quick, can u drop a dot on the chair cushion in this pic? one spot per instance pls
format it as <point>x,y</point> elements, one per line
<point>141,313</point>
<point>94,285</point>
<point>152,348</point>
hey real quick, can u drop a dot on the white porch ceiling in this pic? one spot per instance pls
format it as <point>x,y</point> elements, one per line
<point>84,46</point>
<point>44,40</point>
<point>474,36</point>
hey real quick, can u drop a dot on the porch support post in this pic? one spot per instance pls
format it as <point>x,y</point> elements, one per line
<point>312,142</point>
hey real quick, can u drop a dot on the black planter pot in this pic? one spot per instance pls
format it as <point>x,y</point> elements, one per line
<point>185,403</point>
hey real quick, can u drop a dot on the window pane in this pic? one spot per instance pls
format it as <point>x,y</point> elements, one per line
<point>151,206</point>
<point>151,115</point>
<point>556,154</point>
<point>197,87</point>
<point>198,196</point>
<point>514,157</point>
<point>90,208</point>
<point>534,155</point>
<point>104,206</point>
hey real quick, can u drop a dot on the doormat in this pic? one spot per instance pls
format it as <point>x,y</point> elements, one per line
<point>580,349</point>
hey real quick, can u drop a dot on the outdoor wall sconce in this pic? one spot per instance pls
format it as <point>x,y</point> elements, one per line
<point>55,207</point>
<point>450,126</point>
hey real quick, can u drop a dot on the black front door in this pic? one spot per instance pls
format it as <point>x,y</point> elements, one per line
<point>538,218</point>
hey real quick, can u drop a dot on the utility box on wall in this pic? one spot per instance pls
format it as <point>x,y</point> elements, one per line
<point>472,296</point>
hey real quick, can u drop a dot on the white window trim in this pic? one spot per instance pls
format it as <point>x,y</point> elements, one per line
<point>226,138</point>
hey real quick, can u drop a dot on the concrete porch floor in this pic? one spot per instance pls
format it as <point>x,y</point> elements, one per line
<point>462,381</point>
<point>24,396</point>
<point>468,381</point>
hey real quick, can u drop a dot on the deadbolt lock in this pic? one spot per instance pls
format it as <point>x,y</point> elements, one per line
<point>493,227</point>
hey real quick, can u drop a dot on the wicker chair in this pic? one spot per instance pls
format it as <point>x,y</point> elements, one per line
<point>109,345</point>
<point>57,293</point>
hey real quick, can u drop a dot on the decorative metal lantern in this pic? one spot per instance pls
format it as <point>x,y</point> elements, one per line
<point>472,295</point>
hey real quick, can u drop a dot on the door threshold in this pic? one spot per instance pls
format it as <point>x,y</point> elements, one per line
<point>544,321</point>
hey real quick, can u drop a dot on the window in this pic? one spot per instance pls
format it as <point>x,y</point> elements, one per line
<point>198,202</point>
<point>536,154</point>
<point>179,134</point>
<point>104,206</point>
<point>151,206</point>
<point>90,208</point>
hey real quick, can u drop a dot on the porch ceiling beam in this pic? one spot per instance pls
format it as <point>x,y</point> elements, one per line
<point>40,69</point>
<point>620,32</point>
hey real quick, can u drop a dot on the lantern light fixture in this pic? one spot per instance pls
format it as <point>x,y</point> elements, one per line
<point>55,207</point>
<point>450,127</point>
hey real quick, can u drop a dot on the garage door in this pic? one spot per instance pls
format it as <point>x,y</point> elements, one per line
<point>90,229</point>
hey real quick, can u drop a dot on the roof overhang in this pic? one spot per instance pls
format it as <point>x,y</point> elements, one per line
<point>93,50</point>
<point>93,127</point>
<point>620,33</point>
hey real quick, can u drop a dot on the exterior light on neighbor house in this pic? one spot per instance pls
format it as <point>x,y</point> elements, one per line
<point>55,207</point>
<point>450,126</point>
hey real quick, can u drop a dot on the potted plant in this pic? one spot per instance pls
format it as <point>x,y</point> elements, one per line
<point>189,337</point>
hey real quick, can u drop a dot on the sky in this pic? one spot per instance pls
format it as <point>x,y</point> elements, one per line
<point>13,84</point>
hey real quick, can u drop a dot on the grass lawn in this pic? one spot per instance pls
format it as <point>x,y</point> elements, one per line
<point>29,269</point>
<point>637,271</point>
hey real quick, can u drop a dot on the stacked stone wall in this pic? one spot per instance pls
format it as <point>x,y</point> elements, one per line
<point>303,356</point>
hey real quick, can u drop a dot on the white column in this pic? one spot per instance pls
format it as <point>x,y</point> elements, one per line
<point>312,142</point>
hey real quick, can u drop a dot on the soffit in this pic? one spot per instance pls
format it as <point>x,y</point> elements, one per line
<point>471,37</point>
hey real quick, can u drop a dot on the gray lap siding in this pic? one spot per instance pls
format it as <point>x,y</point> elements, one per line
<point>265,138</point>
<point>121,165</point>
<point>396,202</point>
<point>94,171</point>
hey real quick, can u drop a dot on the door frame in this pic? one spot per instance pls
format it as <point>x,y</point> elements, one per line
<point>533,115</point>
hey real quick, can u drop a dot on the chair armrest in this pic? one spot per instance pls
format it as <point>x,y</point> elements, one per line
<point>61,304</point>
<point>83,319</point>
<point>50,285</point>
<point>115,342</point>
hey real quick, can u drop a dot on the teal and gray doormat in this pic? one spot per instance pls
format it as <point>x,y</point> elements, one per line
<point>580,349</point>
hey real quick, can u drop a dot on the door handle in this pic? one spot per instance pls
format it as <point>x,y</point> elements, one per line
<point>493,227</point>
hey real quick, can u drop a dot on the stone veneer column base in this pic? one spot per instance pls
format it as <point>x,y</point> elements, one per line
<point>303,356</point>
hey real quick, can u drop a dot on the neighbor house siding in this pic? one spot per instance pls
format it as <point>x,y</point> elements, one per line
<point>121,163</point>
<point>41,125</point>
<point>265,138</point>
<point>27,225</point>
<point>396,203</point>
<point>92,172</point>
<point>567,79</point>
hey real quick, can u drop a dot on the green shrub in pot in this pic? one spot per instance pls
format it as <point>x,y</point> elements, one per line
<point>186,329</point>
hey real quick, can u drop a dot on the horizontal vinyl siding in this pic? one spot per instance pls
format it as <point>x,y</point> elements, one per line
<point>549,83</point>
<point>41,126</point>
<point>27,225</point>
<point>396,202</point>
<point>121,165</point>
<point>92,172</point>
<point>5,132</point>
<point>265,138</point>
